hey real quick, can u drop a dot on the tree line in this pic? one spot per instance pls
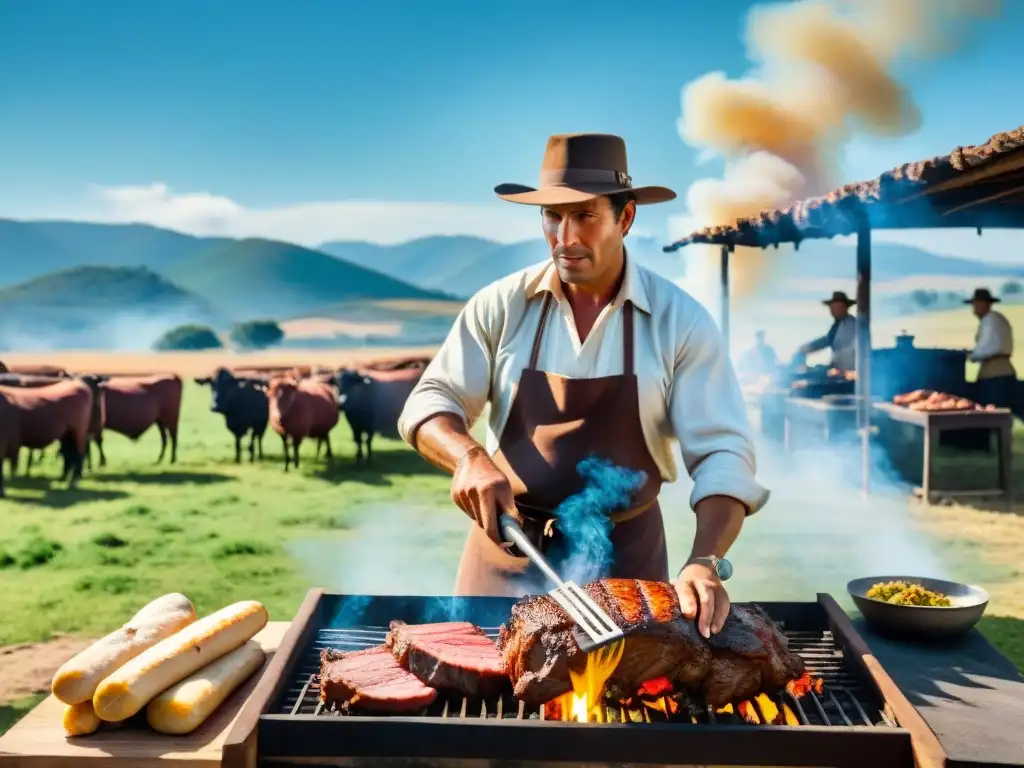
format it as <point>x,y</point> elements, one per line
<point>252,334</point>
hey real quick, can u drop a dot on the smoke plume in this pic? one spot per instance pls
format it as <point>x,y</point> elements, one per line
<point>822,73</point>
<point>584,522</point>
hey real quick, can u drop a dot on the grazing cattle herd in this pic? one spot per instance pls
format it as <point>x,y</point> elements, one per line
<point>43,405</point>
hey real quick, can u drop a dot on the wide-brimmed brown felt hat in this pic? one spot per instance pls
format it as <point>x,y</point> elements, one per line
<point>981,294</point>
<point>579,167</point>
<point>839,297</point>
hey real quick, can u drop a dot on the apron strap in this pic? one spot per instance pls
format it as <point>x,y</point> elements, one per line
<point>535,354</point>
<point>627,338</point>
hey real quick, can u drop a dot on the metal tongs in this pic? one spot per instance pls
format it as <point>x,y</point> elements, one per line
<point>594,628</point>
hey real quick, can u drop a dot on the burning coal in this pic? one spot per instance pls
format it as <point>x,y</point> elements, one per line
<point>822,73</point>
<point>584,518</point>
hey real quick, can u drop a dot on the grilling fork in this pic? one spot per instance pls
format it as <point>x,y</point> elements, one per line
<point>594,628</point>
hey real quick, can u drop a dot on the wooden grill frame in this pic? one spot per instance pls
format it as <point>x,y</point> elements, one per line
<point>370,740</point>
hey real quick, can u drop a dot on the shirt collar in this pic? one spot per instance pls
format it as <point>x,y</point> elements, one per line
<point>545,278</point>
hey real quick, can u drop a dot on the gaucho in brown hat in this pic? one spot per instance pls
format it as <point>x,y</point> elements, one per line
<point>588,355</point>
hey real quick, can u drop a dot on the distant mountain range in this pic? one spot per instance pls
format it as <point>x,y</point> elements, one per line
<point>463,265</point>
<point>67,274</point>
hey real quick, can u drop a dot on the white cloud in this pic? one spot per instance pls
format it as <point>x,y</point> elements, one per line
<point>202,213</point>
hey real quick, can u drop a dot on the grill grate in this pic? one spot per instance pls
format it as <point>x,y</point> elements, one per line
<point>843,702</point>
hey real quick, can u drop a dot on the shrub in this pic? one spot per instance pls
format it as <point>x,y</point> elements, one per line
<point>187,338</point>
<point>256,334</point>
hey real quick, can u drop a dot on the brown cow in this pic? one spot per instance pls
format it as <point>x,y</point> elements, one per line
<point>301,409</point>
<point>97,416</point>
<point>135,404</point>
<point>35,417</point>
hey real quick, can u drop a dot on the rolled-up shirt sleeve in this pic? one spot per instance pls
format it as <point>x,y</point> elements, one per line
<point>458,379</point>
<point>710,419</point>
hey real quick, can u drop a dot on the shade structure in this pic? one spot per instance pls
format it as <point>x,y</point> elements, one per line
<point>979,186</point>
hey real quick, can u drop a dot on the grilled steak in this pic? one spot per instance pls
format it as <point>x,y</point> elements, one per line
<point>371,679</point>
<point>749,654</point>
<point>453,655</point>
<point>538,648</point>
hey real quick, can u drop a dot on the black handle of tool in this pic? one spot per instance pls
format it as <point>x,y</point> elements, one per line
<point>514,533</point>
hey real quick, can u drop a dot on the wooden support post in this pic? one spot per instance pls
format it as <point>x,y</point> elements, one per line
<point>863,383</point>
<point>725,295</point>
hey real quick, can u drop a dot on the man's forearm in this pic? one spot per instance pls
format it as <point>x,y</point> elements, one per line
<point>443,440</point>
<point>719,520</point>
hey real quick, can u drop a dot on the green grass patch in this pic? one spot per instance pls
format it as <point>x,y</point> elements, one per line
<point>84,561</point>
<point>13,712</point>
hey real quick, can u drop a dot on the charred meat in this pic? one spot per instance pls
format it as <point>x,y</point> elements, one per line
<point>371,680</point>
<point>749,655</point>
<point>453,655</point>
<point>538,648</point>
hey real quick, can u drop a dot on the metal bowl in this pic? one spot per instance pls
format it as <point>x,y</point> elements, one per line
<point>921,621</point>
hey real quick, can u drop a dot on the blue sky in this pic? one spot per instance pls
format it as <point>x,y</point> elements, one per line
<point>265,116</point>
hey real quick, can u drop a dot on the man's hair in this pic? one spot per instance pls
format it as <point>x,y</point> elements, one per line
<point>617,202</point>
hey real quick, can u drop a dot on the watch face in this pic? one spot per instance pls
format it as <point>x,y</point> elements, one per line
<point>724,569</point>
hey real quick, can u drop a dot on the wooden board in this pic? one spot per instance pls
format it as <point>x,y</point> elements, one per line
<point>38,740</point>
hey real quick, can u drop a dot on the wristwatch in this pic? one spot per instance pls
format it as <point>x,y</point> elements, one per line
<point>721,566</point>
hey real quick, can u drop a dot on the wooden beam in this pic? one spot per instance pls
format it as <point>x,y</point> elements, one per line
<point>724,274</point>
<point>987,199</point>
<point>862,387</point>
<point>1012,161</point>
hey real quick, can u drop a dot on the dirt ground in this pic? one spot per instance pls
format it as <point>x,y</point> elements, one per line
<point>189,364</point>
<point>28,668</point>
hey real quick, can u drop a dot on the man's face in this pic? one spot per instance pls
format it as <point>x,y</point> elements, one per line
<point>838,309</point>
<point>981,308</point>
<point>586,238</point>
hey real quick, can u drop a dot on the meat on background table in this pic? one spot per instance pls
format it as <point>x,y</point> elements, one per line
<point>934,423</point>
<point>38,740</point>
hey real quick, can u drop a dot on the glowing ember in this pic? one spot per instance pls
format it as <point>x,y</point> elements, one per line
<point>747,712</point>
<point>804,685</point>
<point>585,702</point>
<point>657,686</point>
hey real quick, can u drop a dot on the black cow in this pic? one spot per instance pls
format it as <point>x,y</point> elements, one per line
<point>243,403</point>
<point>372,402</point>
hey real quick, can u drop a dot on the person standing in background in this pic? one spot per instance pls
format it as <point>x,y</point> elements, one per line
<point>759,361</point>
<point>841,337</point>
<point>993,345</point>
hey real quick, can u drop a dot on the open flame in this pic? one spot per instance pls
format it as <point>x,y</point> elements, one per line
<point>585,703</point>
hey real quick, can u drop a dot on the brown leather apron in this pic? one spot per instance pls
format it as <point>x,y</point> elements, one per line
<point>554,423</point>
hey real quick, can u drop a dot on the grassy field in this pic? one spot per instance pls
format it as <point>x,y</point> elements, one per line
<point>77,563</point>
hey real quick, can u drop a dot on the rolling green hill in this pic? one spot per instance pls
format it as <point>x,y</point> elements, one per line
<point>96,308</point>
<point>30,249</point>
<point>260,278</point>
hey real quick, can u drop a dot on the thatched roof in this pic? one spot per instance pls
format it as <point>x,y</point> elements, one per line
<point>976,186</point>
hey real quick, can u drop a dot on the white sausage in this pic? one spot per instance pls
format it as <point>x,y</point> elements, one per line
<point>170,661</point>
<point>75,682</point>
<point>184,707</point>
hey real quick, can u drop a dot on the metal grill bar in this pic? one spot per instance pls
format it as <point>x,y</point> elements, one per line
<point>840,704</point>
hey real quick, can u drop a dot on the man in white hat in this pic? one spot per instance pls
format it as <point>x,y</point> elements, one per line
<point>588,353</point>
<point>993,345</point>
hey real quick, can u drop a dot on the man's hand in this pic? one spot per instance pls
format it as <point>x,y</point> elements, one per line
<point>701,594</point>
<point>483,492</point>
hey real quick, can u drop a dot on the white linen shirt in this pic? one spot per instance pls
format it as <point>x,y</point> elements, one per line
<point>844,344</point>
<point>688,390</point>
<point>995,337</point>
